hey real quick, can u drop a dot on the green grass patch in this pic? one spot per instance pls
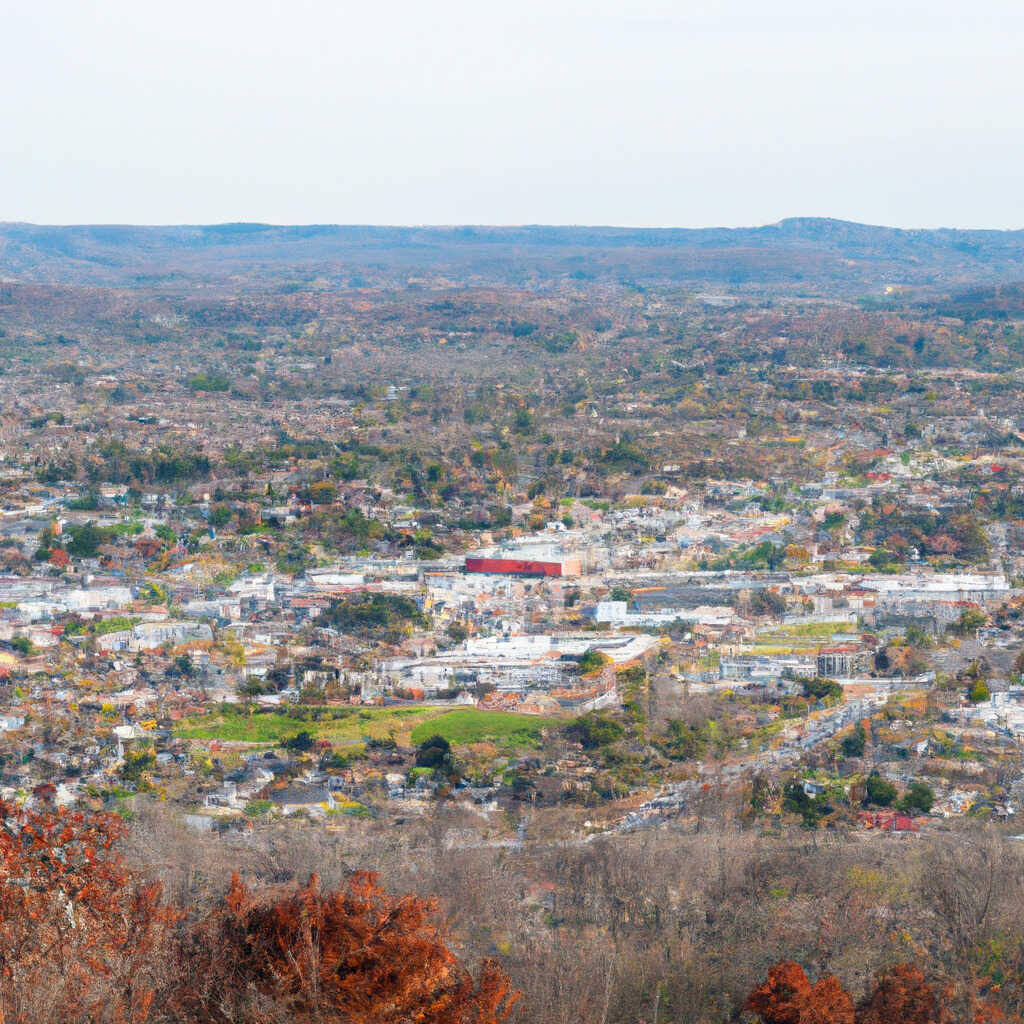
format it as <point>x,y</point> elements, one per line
<point>408,725</point>
<point>468,725</point>
<point>334,724</point>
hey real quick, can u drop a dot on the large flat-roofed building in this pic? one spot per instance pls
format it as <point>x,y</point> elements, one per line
<point>526,559</point>
<point>557,566</point>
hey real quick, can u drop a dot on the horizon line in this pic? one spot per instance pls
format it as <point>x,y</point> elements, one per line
<point>481,225</point>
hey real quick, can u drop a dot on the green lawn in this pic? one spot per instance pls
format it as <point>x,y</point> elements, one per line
<point>468,725</point>
<point>333,724</point>
<point>408,725</point>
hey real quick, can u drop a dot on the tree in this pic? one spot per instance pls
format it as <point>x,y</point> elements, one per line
<point>86,540</point>
<point>902,996</point>
<point>220,515</point>
<point>166,533</point>
<point>23,645</point>
<point>829,1003</point>
<point>59,557</point>
<point>379,615</point>
<point>820,688</point>
<point>357,954</point>
<point>880,791</point>
<point>970,621</point>
<point>433,752</point>
<point>1018,664</point>
<point>811,808</point>
<point>919,797</point>
<point>137,763</point>
<point>915,636</point>
<point>457,632</point>
<point>594,729</point>
<point>787,997</point>
<point>301,741</point>
<point>78,929</point>
<point>853,745</point>
<point>84,939</point>
<point>783,995</point>
<point>978,692</point>
<point>46,538</point>
<point>183,663</point>
<point>323,492</point>
<point>880,558</point>
<point>591,661</point>
<point>683,741</point>
<point>767,602</point>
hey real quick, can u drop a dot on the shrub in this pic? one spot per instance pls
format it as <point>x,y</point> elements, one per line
<point>356,954</point>
<point>919,797</point>
<point>594,729</point>
<point>879,791</point>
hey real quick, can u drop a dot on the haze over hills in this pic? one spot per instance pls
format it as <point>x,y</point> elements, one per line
<point>804,253</point>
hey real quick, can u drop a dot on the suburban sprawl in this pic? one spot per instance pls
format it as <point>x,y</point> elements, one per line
<point>484,555</point>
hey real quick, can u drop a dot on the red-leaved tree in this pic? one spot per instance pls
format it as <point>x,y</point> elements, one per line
<point>788,997</point>
<point>357,955</point>
<point>78,929</point>
<point>902,996</point>
<point>83,938</point>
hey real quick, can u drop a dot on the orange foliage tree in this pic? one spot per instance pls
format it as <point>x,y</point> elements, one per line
<point>788,997</point>
<point>900,995</point>
<point>78,929</point>
<point>59,557</point>
<point>358,955</point>
<point>83,938</point>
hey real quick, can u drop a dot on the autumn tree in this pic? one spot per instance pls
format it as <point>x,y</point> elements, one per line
<point>357,955</point>
<point>86,940</point>
<point>78,929</point>
<point>902,996</point>
<point>782,996</point>
<point>788,997</point>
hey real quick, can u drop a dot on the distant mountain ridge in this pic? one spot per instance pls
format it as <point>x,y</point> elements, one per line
<point>799,250</point>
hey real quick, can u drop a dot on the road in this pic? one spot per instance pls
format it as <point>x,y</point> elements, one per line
<point>797,739</point>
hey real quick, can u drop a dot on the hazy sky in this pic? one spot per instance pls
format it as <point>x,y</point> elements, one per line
<point>647,112</point>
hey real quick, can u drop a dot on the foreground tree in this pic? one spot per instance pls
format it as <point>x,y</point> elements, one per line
<point>787,997</point>
<point>902,996</point>
<point>358,955</point>
<point>78,929</point>
<point>83,938</point>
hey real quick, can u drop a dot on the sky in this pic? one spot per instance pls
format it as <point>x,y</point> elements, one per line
<point>662,113</point>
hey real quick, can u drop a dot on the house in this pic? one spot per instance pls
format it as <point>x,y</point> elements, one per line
<point>300,796</point>
<point>887,821</point>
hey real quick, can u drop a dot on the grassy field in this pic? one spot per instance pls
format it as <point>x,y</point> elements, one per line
<point>467,725</point>
<point>408,725</point>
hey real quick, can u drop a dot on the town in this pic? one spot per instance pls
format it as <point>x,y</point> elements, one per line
<point>511,513</point>
<point>586,605</point>
<point>271,617</point>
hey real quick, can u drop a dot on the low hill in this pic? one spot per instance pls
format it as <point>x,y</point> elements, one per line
<point>798,253</point>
